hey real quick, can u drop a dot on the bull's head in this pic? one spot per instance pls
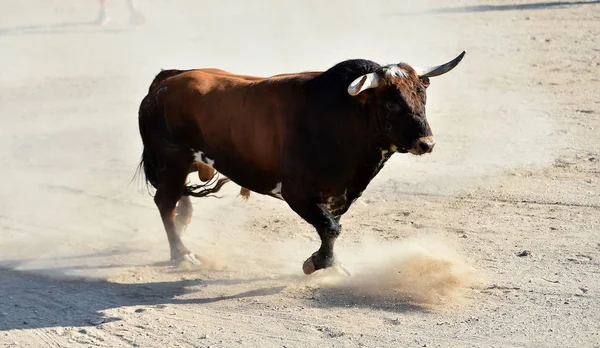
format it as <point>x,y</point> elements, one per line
<point>396,93</point>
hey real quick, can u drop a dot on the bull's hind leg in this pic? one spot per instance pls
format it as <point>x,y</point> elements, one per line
<point>183,212</point>
<point>175,218</point>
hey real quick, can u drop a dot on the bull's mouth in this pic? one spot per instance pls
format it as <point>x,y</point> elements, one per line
<point>399,149</point>
<point>416,152</point>
<point>419,151</point>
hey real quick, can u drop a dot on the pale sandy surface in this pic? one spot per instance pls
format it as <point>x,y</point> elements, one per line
<point>432,243</point>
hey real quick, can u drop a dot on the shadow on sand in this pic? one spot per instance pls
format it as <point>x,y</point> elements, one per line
<point>342,298</point>
<point>25,297</point>
<point>514,7</point>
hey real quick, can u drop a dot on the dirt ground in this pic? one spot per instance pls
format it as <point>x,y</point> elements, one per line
<point>493,240</point>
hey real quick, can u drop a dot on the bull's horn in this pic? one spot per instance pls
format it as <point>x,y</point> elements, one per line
<point>362,83</point>
<point>431,71</point>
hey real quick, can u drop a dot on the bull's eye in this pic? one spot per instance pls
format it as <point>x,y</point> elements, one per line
<point>392,106</point>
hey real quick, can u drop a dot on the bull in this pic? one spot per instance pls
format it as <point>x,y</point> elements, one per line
<point>312,139</point>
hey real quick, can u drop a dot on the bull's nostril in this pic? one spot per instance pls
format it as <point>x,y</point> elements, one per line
<point>424,146</point>
<point>431,145</point>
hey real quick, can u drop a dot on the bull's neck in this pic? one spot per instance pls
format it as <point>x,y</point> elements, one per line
<point>374,129</point>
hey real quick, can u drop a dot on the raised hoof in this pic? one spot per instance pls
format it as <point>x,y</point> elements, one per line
<point>309,266</point>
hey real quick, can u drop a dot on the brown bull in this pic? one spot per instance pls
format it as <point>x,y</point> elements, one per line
<point>313,139</point>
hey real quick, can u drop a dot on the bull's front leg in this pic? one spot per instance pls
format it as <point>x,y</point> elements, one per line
<point>328,232</point>
<point>327,226</point>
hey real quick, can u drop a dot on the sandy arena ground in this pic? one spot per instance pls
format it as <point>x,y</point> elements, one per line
<point>436,244</point>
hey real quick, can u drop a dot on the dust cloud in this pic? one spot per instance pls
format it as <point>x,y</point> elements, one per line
<point>426,270</point>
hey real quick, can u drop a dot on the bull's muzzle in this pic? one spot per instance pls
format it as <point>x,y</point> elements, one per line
<point>423,145</point>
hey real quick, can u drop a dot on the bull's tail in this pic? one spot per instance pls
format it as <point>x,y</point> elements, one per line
<point>205,190</point>
<point>157,139</point>
<point>149,162</point>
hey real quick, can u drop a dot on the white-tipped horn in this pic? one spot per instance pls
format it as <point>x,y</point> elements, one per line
<point>431,71</point>
<point>362,83</point>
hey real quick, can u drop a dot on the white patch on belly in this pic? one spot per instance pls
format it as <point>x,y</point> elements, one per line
<point>339,201</point>
<point>277,191</point>
<point>199,156</point>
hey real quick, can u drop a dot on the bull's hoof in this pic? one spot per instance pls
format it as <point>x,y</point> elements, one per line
<point>315,263</point>
<point>188,261</point>
<point>309,266</point>
<point>192,258</point>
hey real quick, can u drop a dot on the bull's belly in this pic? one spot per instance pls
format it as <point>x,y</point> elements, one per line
<point>266,182</point>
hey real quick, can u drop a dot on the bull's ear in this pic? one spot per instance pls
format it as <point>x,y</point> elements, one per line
<point>424,81</point>
<point>363,83</point>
